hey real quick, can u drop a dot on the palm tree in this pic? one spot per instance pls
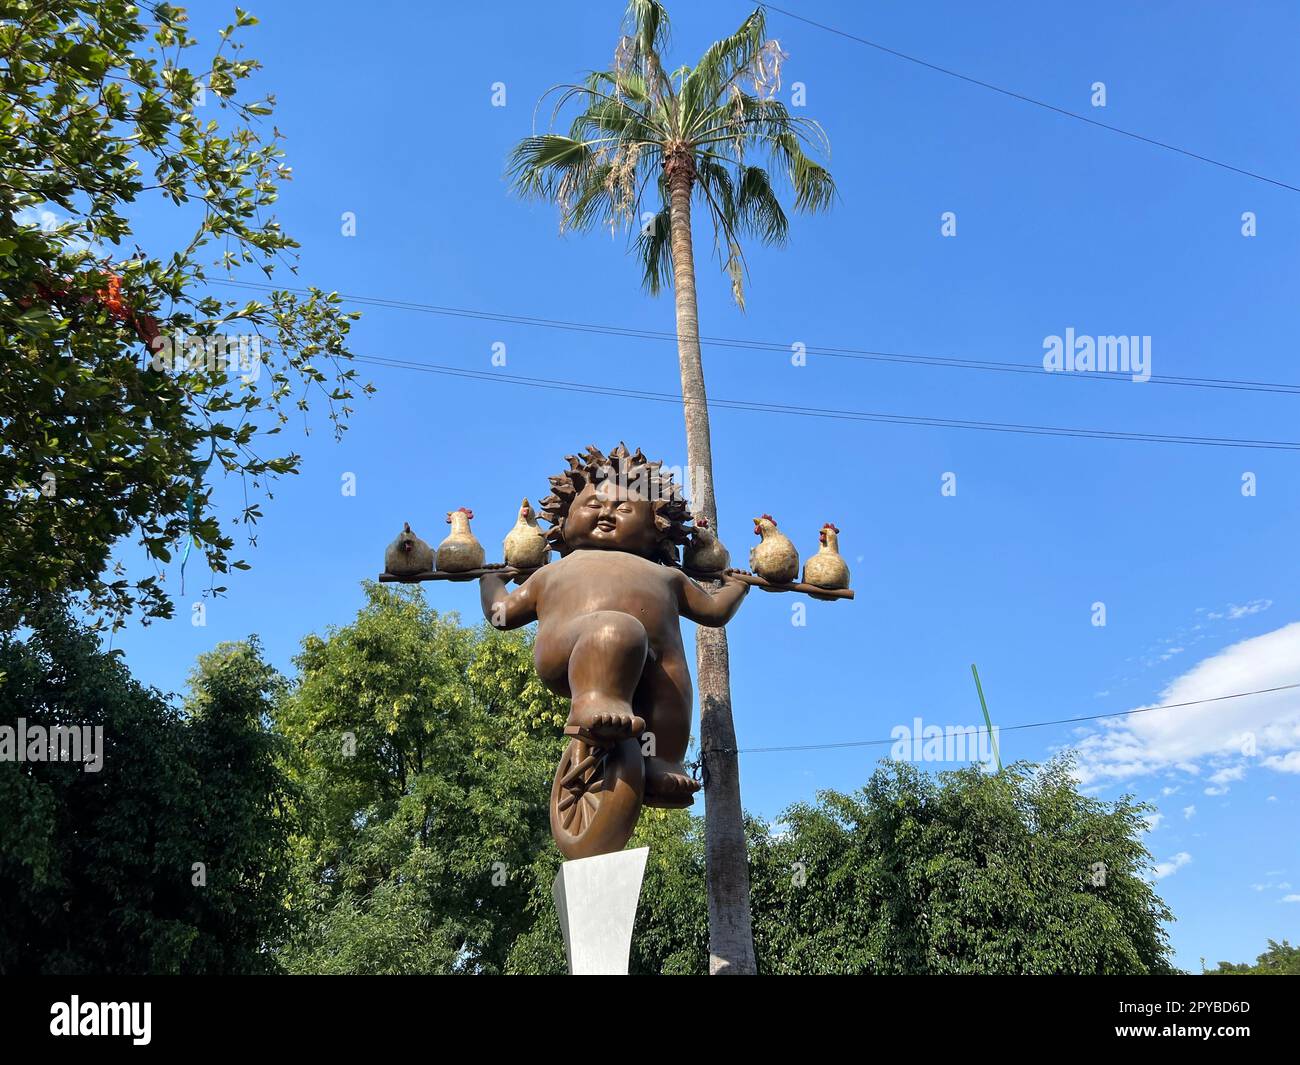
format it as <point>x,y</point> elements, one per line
<point>644,138</point>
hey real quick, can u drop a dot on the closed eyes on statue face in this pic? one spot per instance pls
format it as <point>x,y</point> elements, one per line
<point>605,517</point>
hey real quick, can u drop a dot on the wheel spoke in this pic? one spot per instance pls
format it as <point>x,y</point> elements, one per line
<point>577,771</point>
<point>597,775</point>
<point>585,771</point>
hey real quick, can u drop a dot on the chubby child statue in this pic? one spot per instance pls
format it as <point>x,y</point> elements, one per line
<point>608,633</point>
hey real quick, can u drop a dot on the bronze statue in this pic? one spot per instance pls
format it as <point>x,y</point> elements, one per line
<point>608,638</point>
<point>608,632</point>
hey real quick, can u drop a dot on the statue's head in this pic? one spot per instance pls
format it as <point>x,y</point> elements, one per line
<point>616,502</point>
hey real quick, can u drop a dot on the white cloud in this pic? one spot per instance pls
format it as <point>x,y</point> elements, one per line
<point>1154,821</point>
<point>1215,732</point>
<point>1169,868</point>
<point>1232,612</point>
<point>1291,898</point>
<point>1217,791</point>
<point>1287,763</point>
<point>1188,636</point>
<point>1189,812</point>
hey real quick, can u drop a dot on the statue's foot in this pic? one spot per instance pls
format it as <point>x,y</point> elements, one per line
<point>602,719</point>
<point>667,784</point>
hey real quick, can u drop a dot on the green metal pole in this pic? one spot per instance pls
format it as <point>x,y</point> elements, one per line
<point>988,721</point>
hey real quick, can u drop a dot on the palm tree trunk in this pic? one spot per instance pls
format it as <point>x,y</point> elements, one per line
<point>731,939</point>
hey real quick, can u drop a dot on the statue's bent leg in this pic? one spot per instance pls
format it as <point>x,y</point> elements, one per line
<point>606,657</point>
<point>664,699</point>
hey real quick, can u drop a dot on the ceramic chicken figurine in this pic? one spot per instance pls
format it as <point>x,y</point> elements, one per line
<point>460,551</point>
<point>705,552</point>
<point>775,558</point>
<point>408,554</point>
<point>525,545</point>
<point>827,569</point>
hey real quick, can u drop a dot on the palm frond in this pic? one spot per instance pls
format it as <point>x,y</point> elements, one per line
<point>538,164</point>
<point>736,271</point>
<point>647,27</point>
<point>754,124</point>
<point>758,209</point>
<point>613,120</point>
<point>626,85</point>
<point>715,178</point>
<point>718,189</point>
<point>654,249</point>
<point>570,172</point>
<point>593,202</point>
<point>814,188</point>
<point>644,42</point>
<point>758,118</point>
<point>722,64</point>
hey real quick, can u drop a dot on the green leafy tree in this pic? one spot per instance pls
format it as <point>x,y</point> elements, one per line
<point>425,753</point>
<point>966,872</point>
<point>960,873</point>
<point>647,143</point>
<point>173,857</point>
<point>1281,959</point>
<point>127,387</point>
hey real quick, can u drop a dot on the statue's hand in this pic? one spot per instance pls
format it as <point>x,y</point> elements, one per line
<point>731,580</point>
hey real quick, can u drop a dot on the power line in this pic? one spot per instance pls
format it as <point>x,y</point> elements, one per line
<point>1031,100</point>
<point>1011,728</point>
<point>942,361</point>
<point>831,413</point>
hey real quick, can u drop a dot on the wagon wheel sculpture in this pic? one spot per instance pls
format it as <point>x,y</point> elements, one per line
<point>596,797</point>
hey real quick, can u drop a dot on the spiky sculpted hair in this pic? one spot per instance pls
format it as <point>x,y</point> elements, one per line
<point>627,469</point>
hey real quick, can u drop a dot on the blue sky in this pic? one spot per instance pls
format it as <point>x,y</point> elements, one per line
<point>388,112</point>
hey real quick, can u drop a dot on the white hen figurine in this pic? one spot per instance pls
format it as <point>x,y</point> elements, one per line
<point>460,551</point>
<point>827,569</point>
<point>525,545</point>
<point>775,558</point>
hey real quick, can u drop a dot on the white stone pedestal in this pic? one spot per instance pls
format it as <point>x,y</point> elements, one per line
<point>596,899</point>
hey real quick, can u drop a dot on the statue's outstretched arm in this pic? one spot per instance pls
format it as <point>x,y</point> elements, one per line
<point>713,609</point>
<point>505,609</point>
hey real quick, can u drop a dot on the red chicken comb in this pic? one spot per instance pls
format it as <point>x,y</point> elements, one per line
<point>831,526</point>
